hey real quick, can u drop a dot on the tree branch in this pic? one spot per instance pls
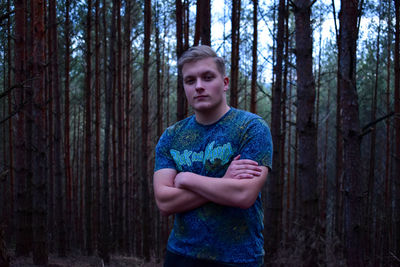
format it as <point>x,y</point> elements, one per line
<point>368,128</point>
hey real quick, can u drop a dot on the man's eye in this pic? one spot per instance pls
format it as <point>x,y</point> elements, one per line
<point>208,77</point>
<point>189,81</point>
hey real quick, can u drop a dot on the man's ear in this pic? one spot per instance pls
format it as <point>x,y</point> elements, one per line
<point>226,83</point>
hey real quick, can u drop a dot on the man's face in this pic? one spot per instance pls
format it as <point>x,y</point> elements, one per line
<point>204,85</point>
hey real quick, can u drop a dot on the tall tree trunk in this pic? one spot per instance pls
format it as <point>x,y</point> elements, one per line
<point>254,71</point>
<point>339,143</point>
<point>10,212</point>
<point>397,130</point>
<point>39,221</point>
<point>127,165</point>
<point>353,199</point>
<point>49,128</point>
<point>159,74</point>
<point>234,82</point>
<point>203,23</point>
<point>181,99</point>
<point>145,133</point>
<point>88,134</point>
<point>120,124</point>
<point>22,243</point>
<point>388,210</point>
<point>67,149</point>
<point>274,197</point>
<point>371,172</point>
<point>289,195</point>
<point>105,235</point>
<point>96,210</point>
<point>307,130</point>
<point>58,173</point>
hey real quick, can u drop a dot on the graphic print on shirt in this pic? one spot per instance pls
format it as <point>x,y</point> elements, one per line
<point>211,154</point>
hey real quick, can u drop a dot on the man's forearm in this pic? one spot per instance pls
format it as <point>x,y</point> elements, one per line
<point>175,200</point>
<point>171,200</point>
<point>225,191</point>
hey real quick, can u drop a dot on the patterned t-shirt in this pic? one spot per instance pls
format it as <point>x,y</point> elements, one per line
<point>212,231</point>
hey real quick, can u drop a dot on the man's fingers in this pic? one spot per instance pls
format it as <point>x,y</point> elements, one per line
<point>237,157</point>
<point>246,161</point>
<point>248,167</point>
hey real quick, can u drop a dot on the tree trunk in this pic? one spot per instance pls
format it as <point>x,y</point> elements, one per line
<point>397,130</point>
<point>353,198</point>
<point>39,215</point>
<point>254,71</point>
<point>88,135</point>
<point>339,144</point>
<point>105,235</point>
<point>234,82</point>
<point>181,99</point>
<point>128,171</point>
<point>120,142</point>
<point>10,217</point>
<point>274,197</point>
<point>307,131</point>
<point>22,229</point>
<point>388,207</point>
<point>159,75</point>
<point>145,135</point>
<point>58,173</point>
<point>67,149</point>
<point>371,172</point>
<point>203,23</point>
<point>96,210</point>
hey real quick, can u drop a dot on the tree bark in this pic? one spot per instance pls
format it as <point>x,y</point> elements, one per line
<point>274,181</point>
<point>120,159</point>
<point>307,131</point>
<point>234,82</point>
<point>10,216</point>
<point>203,23</point>
<point>22,243</point>
<point>254,71</point>
<point>339,144</point>
<point>127,165</point>
<point>105,235</point>
<point>180,94</point>
<point>39,215</point>
<point>397,130</point>
<point>67,149</point>
<point>96,206</point>
<point>145,134</point>
<point>88,135</point>
<point>58,172</point>
<point>353,197</point>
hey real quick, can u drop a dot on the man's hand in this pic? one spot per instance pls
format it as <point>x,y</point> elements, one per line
<point>178,182</point>
<point>242,169</point>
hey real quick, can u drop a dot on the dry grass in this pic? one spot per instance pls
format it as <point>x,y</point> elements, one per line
<point>85,261</point>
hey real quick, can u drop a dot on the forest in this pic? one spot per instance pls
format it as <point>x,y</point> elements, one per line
<point>88,87</point>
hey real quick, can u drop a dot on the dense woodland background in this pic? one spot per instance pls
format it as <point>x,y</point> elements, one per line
<point>87,88</point>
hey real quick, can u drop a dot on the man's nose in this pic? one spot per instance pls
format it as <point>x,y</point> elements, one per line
<point>199,84</point>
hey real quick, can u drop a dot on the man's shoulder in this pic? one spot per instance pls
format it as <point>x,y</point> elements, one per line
<point>179,125</point>
<point>246,117</point>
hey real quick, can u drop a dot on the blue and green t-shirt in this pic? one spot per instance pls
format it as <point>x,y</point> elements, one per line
<point>212,231</point>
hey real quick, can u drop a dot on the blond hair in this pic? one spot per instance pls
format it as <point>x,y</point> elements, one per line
<point>200,52</point>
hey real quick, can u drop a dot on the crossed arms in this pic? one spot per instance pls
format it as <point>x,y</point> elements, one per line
<point>239,187</point>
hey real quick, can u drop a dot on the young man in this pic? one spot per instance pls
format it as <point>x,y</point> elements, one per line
<point>209,171</point>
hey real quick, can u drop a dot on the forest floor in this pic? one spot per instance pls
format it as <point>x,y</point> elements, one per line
<point>85,261</point>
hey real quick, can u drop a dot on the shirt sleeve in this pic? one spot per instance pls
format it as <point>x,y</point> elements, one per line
<point>256,143</point>
<point>163,159</point>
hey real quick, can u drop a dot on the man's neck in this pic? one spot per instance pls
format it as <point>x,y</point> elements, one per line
<point>210,117</point>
